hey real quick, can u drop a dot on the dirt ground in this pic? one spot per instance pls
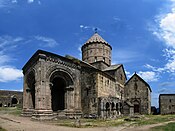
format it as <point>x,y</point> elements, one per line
<point>16,123</point>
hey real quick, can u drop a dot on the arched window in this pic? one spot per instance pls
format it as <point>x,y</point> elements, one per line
<point>107,106</point>
<point>116,106</point>
<point>113,106</point>
<point>95,59</point>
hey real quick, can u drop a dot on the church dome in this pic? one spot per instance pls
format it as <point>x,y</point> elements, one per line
<point>96,49</point>
<point>96,38</point>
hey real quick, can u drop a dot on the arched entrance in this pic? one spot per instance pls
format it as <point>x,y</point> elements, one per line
<point>136,106</point>
<point>58,94</point>
<point>14,101</point>
<point>61,90</point>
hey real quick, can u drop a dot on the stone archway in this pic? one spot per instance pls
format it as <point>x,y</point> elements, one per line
<point>14,101</point>
<point>61,91</point>
<point>58,94</point>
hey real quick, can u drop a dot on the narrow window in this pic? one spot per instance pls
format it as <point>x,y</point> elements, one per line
<point>121,77</point>
<point>95,59</point>
<point>103,59</point>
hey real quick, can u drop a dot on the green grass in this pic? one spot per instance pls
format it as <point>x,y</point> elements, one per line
<point>86,123</point>
<point>167,127</point>
<point>11,110</point>
<point>2,129</point>
<point>153,119</point>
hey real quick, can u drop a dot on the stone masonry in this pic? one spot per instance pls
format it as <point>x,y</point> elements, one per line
<point>57,86</point>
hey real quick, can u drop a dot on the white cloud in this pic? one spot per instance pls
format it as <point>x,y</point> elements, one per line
<point>128,74</point>
<point>9,41</point>
<point>165,31</point>
<point>4,59</point>
<point>148,76</point>
<point>85,27</point>
<point>14,1</point>
<point>9,74</point>
<point>30,1</point>
<point>47,42</point>
<point>7,3</point>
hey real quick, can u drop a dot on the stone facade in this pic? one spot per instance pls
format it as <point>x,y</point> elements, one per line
<point>167,103</point>
<point>10,98</point>
<point>137,92</point>
<point>57,86</point>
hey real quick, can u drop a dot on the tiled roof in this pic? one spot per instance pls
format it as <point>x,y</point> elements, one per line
<point>96,38</point>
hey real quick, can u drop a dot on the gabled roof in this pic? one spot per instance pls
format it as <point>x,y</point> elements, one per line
<point>41,53</point>
<point>139,79</point>
<point>96,38</point>
<point>166,95</point>
<point>112,67</point>
<point>115,67</point>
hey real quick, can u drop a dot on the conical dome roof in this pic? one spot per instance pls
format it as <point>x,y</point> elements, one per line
<point>96,38</point>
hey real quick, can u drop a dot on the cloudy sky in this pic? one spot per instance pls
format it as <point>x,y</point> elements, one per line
<point>141,32</point>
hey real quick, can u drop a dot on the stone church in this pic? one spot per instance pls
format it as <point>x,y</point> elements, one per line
<point>57,86</point>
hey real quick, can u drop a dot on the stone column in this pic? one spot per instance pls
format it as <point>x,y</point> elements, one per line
<point>69,101</point>
<point>27,100</point>
<point>69,97</point>
<point>41,91</point>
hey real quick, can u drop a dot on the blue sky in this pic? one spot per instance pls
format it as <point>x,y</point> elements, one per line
<point>141,32</point>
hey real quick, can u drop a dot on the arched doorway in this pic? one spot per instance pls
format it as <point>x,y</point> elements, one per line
<point>58,94</point>
<point>136,106</point>
<point>14,101</point>
<point>107,106</point>
<point>61,90</point>
<point>31,88</point>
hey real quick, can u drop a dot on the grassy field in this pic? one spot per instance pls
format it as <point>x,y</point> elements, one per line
<point>153,119</point>
<point>123,121</point>
<point>11,110</point>
<point>167,127</point>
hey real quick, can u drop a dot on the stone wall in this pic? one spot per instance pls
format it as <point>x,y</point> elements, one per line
<point>167,103</point>
<point>94,52</point>
<point>10,98</point>
<point>89,92</point>
<point>137,92</point>
<point>47,67</point>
